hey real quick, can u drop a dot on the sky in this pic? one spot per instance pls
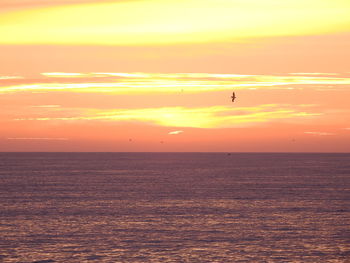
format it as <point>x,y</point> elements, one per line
<point>158,75</point>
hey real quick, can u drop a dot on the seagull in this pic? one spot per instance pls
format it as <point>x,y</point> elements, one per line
<point>233,97</point>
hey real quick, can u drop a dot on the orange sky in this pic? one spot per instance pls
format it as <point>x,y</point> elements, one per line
<point>151,75</point>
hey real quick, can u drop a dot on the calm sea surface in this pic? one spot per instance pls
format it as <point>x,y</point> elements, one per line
<point>174,207</point>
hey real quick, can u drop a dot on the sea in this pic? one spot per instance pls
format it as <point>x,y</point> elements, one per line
<point>174,207</point>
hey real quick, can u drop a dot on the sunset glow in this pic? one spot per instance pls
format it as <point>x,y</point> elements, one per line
<point>82,75</point>
<point>161,22</point>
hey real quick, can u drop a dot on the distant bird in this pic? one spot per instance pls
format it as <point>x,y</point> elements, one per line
<point>233,97</point>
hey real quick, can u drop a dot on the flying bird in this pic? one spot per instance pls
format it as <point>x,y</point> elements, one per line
<point>233,97</point>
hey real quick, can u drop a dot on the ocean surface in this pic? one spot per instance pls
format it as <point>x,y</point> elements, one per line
<point>174,207</point>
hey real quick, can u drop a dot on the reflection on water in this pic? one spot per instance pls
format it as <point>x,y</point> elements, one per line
<point>137,207</point>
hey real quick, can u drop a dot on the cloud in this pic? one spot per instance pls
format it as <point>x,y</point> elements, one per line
<point>205,117</point>
<point>47,106</point>
<point>314,73</point>
<point>152,83</point>
<point>175,132</point>
<point>10,77</point>
<point>63,74</point>
<point>40,139</point>
<point>319,133</point>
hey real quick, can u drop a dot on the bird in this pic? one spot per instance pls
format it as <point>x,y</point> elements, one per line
<point>233,97</point>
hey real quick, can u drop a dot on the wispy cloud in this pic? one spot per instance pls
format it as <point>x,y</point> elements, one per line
<point>207,117</point>
<point>319,133</point>
<point>151,83</point>
<point>96,75</point>
<point>10,77</point>
<point>63,75</point>
<point>175,132</point>
<point>46,106</point>
<point>40,139</point>
<point>314,74</point>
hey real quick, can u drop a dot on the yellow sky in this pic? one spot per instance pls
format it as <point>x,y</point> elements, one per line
<point>171,22</point>
<point>151,75</point>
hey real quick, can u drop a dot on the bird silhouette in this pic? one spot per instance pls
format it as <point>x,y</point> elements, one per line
<point>233,97</point>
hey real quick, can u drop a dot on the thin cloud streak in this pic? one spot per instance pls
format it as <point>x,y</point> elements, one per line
<point>175,132</point>
<point>63,74</point>
<point>314,73</point>
<point>39,139</point>
<point>150,83</point>
<point>46,106</point>
<point>319,133</point>
<point>208,117</point>
<point>10,77</point>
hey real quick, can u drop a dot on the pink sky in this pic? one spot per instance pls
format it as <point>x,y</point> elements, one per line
<point>165,84</point>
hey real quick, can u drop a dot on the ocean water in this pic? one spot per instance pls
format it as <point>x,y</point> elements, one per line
<point>174,207</point>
